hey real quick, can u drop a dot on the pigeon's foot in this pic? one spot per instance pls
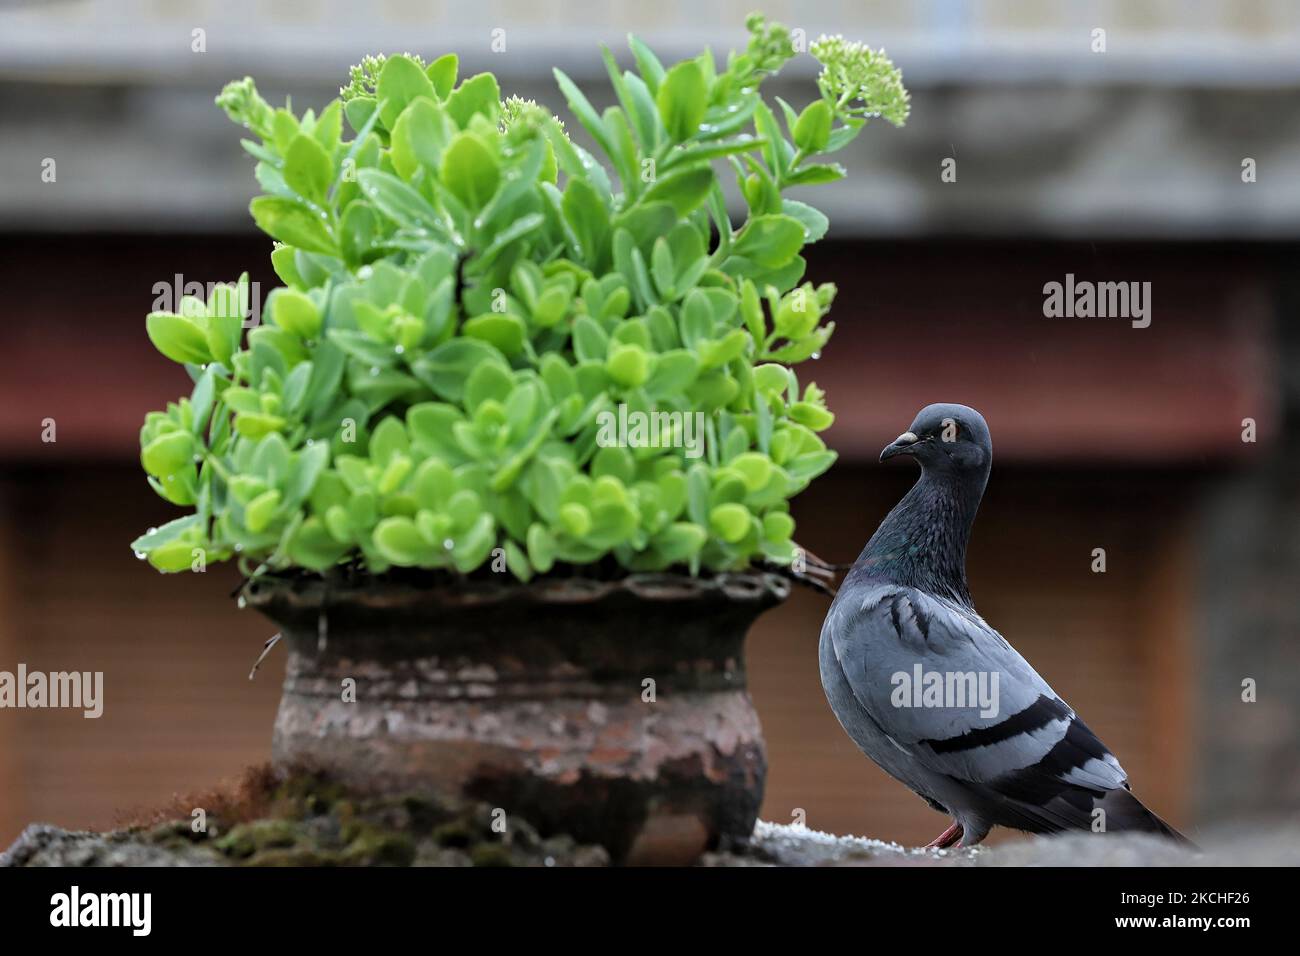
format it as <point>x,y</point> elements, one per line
<point>947,838</point>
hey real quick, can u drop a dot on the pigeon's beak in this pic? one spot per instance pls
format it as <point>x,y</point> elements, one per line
<point>902,445</point>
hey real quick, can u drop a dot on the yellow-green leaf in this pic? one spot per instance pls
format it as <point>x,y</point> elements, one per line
<point>178,338</point>
<point>470,170</point>
<point>682,99</point>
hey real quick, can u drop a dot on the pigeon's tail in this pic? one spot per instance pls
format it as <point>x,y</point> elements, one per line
<point>1126,813</point>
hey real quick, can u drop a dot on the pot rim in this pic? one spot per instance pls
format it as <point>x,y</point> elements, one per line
<point>753,587</point>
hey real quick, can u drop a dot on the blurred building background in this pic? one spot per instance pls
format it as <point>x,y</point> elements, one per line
<point>1122,165</point>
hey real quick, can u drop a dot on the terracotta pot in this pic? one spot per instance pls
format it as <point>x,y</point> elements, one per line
<point>615,711</point>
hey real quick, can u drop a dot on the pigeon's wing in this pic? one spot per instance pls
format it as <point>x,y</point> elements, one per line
<point>950,692</point>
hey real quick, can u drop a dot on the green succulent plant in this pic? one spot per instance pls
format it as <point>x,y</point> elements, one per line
<point>469,295</point>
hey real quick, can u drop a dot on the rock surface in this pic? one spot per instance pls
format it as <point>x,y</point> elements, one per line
<point>44,845</point>
<point>782,845</point>
<point>304,818</point>
<point>468,840</point>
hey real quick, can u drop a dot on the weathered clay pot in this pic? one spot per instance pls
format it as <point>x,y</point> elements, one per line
<point>536,698</point>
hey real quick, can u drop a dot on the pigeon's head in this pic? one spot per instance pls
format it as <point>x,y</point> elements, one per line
<point>948,438</point>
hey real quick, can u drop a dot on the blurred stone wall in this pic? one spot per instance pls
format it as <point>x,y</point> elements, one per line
<point>1050,136</point>
<point>1248,621</point>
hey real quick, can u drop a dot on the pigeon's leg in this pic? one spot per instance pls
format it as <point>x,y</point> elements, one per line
<point>947,838</point>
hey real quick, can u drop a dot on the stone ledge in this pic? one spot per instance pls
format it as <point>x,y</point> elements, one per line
<point>299,817</point>
<point>277,842</point>
<point>783,845</point>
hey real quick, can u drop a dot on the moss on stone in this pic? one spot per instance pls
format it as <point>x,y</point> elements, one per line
<point>304,819</point>
<point>491,854</point>
<point>456,833</point>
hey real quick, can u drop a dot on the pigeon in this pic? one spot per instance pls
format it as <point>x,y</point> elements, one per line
<point>935,696</point>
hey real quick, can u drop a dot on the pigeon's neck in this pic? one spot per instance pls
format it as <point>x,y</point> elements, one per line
<point>922,542</point>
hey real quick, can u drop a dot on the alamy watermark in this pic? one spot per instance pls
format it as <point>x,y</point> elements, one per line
<point>629,428</point>
<point>79,690</point>
<point>1101,300</point>
<point>133,911</point>
<point>168,295</point>
<point>946,689</point>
